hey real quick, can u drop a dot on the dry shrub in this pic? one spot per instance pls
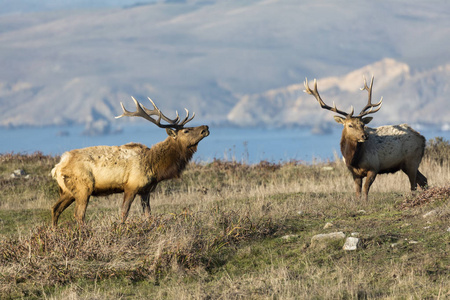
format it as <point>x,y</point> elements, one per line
<point>137,250</point>
<point>438,150</point>
<point>427,196</point>
<point>24,160</point>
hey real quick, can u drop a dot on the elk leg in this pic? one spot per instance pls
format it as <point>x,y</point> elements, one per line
<point>128,198</point>
<point>412,175</point>
<point>81,203</point>
<point>145,202</point>
<point>358,185</point>
<point>64,201</point>
<point>369,180</point>
<point>421,180</point>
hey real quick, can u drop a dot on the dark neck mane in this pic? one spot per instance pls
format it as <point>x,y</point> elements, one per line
<point>351,150</point>
<point>169,159</point>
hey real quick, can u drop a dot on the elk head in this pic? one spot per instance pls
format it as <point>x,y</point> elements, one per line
<point>186,136</point>
<point>353,125</point>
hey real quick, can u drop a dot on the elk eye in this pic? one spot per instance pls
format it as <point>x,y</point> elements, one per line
<point>350,125</point>
<point>185,131</point>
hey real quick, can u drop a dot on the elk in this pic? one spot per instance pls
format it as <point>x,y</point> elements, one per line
<point>132,169</point>
<point>371,151</point>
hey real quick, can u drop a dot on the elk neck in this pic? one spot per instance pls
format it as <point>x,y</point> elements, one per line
<point>351,150</point>
<point>169,158</point>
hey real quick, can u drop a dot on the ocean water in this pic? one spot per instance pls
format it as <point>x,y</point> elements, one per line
<point>248,145</point>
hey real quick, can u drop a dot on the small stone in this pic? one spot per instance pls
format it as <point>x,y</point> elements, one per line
<point>351,243</point>
<point>429,214</point>
<point>354,234</point>
<point>328,225</point>
<point>322,240</point>
<point>289,236</point>
<point>18,173</point>
<point>413,242</point>
<point>328,168</point>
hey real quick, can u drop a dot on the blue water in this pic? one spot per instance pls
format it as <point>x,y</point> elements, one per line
<point>243,145</point>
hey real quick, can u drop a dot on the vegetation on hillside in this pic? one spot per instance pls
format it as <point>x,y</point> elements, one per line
<point>228,230</point>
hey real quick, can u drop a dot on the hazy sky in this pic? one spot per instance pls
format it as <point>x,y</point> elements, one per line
<point>23,6</point>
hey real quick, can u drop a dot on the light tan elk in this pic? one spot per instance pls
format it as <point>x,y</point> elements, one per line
<point>133,169</point>
<point>371,151</point>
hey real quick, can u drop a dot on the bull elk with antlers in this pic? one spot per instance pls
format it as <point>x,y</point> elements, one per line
<point>371,151</point>
<point>133,169</point>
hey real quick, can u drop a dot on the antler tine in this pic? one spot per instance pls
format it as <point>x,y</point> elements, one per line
<point>315,93</point>
<point>369,108</point>
<point>142,111</point>
<point>138,113</point>
<point>145,113</point>
<point>186,119</point>
<point>156,109</point>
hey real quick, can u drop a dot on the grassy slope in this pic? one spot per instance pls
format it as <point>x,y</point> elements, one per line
<point>218,233</point>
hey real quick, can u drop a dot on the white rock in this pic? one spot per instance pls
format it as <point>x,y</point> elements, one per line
<point>351,243</point>
<point>18,173</point>
<point>327,237</point>
<point>333,235</point>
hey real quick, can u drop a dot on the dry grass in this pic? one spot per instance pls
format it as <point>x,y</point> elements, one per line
<point>217,234</point>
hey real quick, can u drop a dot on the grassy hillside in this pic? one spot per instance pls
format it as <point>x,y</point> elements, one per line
<point>231,231</point>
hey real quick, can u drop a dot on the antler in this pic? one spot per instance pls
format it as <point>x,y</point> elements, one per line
<point>369,104</point>
<point>315,93</point>
<point>142,111</point>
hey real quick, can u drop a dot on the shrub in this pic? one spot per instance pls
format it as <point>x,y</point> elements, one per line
<point>438,150</point>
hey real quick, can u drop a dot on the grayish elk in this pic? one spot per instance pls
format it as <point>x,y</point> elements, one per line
<point>133,169</point>
<point>371,151</point>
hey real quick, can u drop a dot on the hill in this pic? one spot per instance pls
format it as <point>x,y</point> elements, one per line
<point>75,66</point>
<point>415,97</point>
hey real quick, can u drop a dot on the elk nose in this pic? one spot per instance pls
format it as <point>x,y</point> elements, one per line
<point>363,138</point>
<point>205,131</point>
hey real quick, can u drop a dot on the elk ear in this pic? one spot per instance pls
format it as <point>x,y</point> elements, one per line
<point>339,119</point>
<point>172,133</point>
<point>366,120</point>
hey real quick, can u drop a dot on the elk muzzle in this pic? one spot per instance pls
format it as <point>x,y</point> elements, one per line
<point>364,137</point>
<point>205,131</point>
